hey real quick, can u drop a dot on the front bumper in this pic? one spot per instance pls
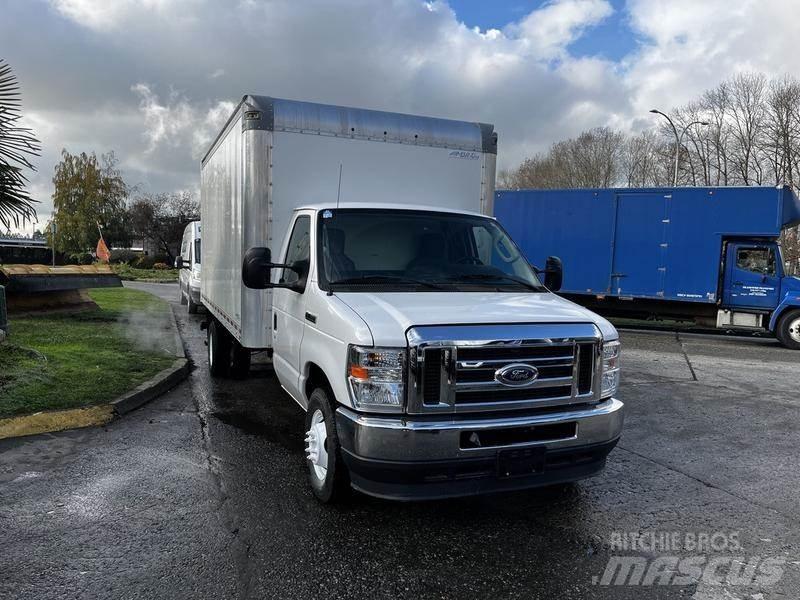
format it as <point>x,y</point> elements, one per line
<point>414,458</point>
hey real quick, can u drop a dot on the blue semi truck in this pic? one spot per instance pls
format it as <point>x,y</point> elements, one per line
<point>709,254</point>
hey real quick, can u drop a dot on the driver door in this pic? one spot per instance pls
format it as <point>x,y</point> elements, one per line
<point>288,306</point>
<point>752,279</point>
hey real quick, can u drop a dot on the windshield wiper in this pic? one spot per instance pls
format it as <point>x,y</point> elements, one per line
<point>495,277</point>
<point>386,279</point>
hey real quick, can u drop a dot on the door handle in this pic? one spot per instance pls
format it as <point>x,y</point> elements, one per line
<point>274,322</point>
<point>311,318</point>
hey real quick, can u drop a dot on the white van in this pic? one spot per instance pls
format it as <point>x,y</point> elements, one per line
<point>189,265</point>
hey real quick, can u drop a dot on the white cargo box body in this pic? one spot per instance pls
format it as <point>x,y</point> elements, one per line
<point>276,155</point>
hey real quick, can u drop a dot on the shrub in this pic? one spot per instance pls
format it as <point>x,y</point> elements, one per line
<point>79,258</point>
<point>144,262</point>
<point>160,266</point>
<point>123,256</point>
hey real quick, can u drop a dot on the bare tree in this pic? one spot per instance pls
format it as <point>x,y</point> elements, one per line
<point>593,159</point>
<point>782,131</point>
<point>747,120</point>
<point>646,160</point>
<point>715,104</point>
<point>161,218</point>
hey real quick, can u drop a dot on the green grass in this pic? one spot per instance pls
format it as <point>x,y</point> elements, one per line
<point>129,273</point>
<point>78,359</point>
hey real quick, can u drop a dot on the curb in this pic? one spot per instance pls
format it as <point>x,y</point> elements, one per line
<point>152,388</point>
<point>101,414</point>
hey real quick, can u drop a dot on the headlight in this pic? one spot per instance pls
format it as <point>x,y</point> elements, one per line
<point>610,369</point>
<point>377,378</point>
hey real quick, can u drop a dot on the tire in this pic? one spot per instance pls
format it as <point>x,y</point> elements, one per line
<point>192,305</point>
<point>240,360</point>
<point>327,474</point>
<point>219,350</point>
<point>788,329</point>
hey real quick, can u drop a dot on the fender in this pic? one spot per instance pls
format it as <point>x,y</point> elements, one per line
<point>791,299</point>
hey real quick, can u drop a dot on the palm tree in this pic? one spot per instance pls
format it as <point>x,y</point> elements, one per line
<point>16,145</point>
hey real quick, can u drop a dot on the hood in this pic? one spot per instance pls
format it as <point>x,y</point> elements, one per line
<point>390,314</point>
<point>790,283</point>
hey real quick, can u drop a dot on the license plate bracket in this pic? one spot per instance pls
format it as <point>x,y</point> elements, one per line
<point>518,462</point>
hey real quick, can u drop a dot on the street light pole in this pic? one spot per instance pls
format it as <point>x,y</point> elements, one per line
<point>678,140</point>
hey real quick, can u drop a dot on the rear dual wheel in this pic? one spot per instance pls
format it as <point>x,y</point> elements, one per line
<point>226,357</point>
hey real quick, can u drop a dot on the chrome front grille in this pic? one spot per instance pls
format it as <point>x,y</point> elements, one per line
<point>453,369</point>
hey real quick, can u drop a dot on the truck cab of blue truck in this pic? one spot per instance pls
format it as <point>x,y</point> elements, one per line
<point>708,254</point>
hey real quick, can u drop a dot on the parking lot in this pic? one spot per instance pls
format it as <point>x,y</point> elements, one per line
<point>202,494</point>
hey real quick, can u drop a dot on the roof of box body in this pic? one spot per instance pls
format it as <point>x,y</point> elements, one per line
<point>784,201</point>
<point>275,114</point>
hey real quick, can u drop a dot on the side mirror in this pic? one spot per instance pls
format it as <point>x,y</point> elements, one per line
<point>256,267</point>
<point>553,273</point>
<point>178,262</point>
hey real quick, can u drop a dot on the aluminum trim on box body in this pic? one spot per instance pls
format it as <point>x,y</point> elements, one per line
<point>266,113</point>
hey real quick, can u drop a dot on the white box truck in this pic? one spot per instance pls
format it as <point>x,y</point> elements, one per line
<point>357,247</point>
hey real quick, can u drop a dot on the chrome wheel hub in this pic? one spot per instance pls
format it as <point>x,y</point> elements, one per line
<point>794,330</point>
<point>316,451</point>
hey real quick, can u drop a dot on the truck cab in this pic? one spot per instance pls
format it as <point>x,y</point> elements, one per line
<point>430,357</point>
<point>756,292</point>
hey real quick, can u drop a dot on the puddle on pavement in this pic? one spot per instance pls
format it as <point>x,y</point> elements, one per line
<point>288,434</point>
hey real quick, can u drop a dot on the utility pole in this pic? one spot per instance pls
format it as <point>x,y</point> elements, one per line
<point>678,140</point>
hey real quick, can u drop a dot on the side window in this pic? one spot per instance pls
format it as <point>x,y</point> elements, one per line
<point>758,260</point>
<point>299,250</point>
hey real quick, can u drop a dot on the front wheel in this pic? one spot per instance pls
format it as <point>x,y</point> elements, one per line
<point>327,472</point>
<point>788,330</point>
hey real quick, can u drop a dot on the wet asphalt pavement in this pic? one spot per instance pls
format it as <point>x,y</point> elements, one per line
<point>202,494</point>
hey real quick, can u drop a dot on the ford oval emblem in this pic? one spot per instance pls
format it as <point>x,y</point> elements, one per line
<point>516,375</point>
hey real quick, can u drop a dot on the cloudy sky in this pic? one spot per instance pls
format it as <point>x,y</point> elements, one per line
<point>153,79</point>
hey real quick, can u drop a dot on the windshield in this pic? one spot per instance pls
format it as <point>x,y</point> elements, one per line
<point>402,250</point>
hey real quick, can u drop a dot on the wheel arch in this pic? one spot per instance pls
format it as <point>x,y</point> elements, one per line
<point>790,302</point>
<point>315,377</point>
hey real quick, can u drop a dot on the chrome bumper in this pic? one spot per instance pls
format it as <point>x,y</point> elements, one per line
<point>401,438</point>
<point>413,458</point>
